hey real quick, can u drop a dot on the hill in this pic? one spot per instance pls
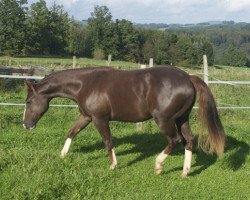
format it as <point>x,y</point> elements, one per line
<point>222,35</point>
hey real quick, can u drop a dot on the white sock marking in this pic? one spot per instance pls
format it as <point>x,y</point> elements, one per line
<point>114,164</point>
<point>159,162</point>
<point>65,148</point>
<point>187,162</point>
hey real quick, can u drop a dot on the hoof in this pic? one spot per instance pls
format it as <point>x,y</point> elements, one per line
<point>113,166</point>
<point>62,156</point>
<point>158,171</point>
<point>184,174</point>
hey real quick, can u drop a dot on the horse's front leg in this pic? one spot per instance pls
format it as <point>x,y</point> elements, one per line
<point>102,126</point>
<point>80,124</point>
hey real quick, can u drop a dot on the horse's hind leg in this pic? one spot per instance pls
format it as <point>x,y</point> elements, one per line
<point>169,130</point>
<point>80,124</point>
<point>102,126</point>
<point>184,128</point>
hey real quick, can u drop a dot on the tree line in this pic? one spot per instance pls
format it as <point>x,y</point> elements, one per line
<point>39,30</point>
<point>231,41</point>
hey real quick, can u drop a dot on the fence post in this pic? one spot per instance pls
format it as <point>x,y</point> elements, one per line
<point>74,62</point>
<point>109,59</point>
<point>139,124</point>
<point>151,62</point>
<point>205,66</point>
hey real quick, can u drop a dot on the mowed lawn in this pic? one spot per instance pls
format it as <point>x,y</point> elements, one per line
<point>31,167</point>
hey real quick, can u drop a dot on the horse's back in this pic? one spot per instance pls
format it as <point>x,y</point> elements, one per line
<point>136,95</point>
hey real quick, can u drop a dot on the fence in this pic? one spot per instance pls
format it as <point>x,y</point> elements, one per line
<point>206,79</point>
<point>206,76</point>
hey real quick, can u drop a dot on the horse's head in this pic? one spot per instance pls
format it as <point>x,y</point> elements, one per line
<point>36,105</point>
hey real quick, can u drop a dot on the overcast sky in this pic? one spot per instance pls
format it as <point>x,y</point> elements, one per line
<point>161,11</point>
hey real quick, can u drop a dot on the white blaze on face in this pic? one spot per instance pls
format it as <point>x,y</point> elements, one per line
<point>65,148</point>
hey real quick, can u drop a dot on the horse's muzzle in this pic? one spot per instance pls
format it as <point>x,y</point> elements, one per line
<point>28,128</point>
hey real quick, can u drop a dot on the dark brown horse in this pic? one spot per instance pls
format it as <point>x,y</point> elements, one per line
<point>164,93</point>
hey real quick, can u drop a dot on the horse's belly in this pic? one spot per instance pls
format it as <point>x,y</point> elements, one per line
<point>128,114</point>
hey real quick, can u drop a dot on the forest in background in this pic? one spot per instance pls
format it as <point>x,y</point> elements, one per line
<point>41,31</point>
<point>228,40</point>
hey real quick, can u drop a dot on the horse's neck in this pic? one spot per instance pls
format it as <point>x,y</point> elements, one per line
<point>56,87</point>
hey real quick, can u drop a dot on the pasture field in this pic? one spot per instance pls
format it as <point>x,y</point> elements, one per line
<point>31,167</point>
<point>54,64</point>
<point>59,63</point>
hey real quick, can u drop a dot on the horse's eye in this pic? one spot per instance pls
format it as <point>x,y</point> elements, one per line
<point>28,102</point>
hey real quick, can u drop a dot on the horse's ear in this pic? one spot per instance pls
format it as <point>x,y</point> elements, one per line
<point>29,86</point>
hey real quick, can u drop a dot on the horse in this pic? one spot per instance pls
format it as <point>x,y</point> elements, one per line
<point>164,93</point>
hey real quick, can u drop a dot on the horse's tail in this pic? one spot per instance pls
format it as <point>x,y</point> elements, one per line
<point>214,141</point>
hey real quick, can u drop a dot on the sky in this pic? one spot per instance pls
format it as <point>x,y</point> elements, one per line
<point>161,11</point>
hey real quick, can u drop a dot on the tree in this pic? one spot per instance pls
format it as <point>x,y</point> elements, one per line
<point>38,29</point>
<point>148,50</point>
<point>98,25</point>
<point>159,45</point>
<point>207,49</point>
<point>129,40</point>
<point>110,43</point>
<point>163,41</point>
<point>118,38</point>
<point>235,57</point>
<point>12,26</point>
<point>189,52</point>
<point>48,29</point>
<point>58,30</point>
<point>79,42</point>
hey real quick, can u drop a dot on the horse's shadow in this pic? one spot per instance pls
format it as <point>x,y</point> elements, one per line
<point>145,145</point>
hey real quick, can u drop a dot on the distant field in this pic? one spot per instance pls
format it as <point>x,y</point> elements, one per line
<point>30,166</point>
<point>218,71</point>
<point>60,63</point>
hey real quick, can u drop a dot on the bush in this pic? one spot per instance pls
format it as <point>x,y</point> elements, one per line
<point>235,57</point>
<point>99,54</point>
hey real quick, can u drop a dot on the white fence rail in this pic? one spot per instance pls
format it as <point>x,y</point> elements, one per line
<point>21,77</point>
<point>231,82</point>
<point>75,106</point>
<point>51,105</point>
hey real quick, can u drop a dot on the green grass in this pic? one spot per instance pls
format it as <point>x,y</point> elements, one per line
<point>30,166</point>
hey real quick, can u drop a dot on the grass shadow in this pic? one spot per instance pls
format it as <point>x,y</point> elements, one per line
<point>147,145</point>
<point>236,154</point>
